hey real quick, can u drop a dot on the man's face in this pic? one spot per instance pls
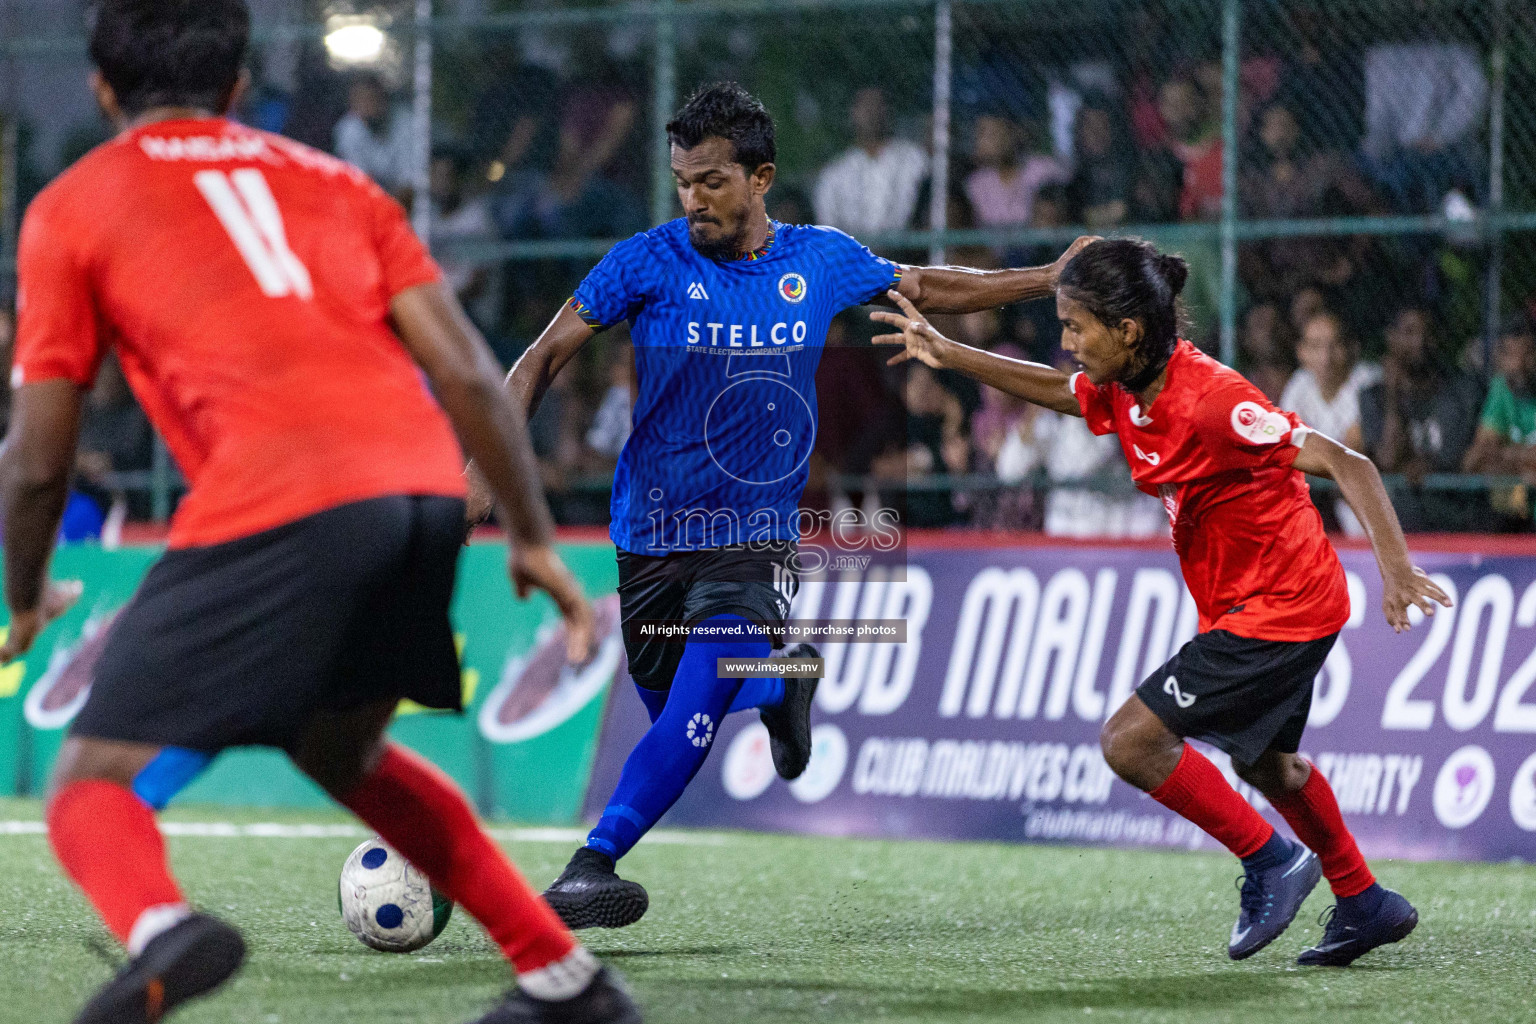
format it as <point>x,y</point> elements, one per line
<point>1101,351</point>
<point>1515,357</point>
<point>1279,131</point>
<point>1408,337</point>
<point>994,144</point>
<point>1179,104</point>
<point>718,196</point>
<point>868,114</point>
<point>1322,351</point>
<point>367,101</point>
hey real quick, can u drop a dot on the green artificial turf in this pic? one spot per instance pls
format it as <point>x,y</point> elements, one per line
<point>767,930</point>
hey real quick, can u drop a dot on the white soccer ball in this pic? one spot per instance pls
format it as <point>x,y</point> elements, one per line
<point>387,903</point>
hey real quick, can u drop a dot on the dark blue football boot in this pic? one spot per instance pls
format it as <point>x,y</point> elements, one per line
<point>1350,934</point>
<point>1270,898</point>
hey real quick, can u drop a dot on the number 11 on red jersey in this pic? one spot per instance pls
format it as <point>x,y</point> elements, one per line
<point>243,202</point>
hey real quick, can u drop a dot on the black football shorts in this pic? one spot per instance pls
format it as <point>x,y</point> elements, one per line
<point>241,643</point>
<point>756,581</point>
<point>1242,695</point>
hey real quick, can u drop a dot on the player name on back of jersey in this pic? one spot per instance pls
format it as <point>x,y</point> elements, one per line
<point>204,148</point>
<point>237,143</point>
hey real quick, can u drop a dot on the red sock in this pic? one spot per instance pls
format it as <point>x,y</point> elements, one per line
<point>107,841</point>
<point>420,812</point>
<point>1314,814</point>
<point>1198,791</point>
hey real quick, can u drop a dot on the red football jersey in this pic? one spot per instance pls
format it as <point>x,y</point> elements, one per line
<point>244,281</point>
<point>1219,455</point>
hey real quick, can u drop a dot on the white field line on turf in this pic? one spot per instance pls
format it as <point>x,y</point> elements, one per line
<point>273,830</point>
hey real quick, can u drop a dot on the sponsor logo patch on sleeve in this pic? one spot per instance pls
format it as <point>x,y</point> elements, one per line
<point>1257,425</point>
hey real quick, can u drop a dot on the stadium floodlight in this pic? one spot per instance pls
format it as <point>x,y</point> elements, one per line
<point>354,41</point>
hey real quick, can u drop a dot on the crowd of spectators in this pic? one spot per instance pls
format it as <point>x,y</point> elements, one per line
<point>1368,338</point>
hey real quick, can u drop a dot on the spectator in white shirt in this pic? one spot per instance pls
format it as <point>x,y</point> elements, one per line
<point>874,185</point>
<point>1091,491</point>
<point>1090,495</point>
<point>1325,391</point>
<point>1424,103</point>
<point>1422,96</point>
<point>374,135</point>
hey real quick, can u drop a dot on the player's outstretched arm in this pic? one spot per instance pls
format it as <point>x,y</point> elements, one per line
<point>537,367</point>
<point>1033,382</point>
<point>966,290</point>
<point>467,382</point>
<point>1404,583</point>
<point>34,484</point>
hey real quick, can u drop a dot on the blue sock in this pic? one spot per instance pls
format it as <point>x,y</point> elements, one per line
<point>1272,854</point>
<point>674,748</point>
<point>654,701</point>
<point>168,773</point>
<point>766,692</point>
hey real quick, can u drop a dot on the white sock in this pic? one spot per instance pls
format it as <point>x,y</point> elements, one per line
<point>564,979</point>
<point>154,922</point>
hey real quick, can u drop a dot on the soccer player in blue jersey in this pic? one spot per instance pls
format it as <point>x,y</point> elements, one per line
<point>728,311</point>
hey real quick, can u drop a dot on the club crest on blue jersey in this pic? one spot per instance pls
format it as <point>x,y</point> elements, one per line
<point>792,288</point>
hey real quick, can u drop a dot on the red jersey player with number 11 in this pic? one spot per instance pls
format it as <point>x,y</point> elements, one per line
<point>280,324</point>
<point>1270,591</point>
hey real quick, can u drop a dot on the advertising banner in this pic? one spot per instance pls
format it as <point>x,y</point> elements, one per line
<point>521,750</point>
<point>984,723</point>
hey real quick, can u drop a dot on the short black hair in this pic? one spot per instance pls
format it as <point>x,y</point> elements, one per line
<point>726,111</point>
<point>1128,279</point>
<point>163,53</point>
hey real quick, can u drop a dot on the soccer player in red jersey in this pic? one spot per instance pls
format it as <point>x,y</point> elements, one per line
<point>1270,591</point>
<point>280,324</point>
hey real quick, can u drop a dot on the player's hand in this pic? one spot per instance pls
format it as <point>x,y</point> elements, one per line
<point>1413,588</point>
<point>922,342</point>
<point>58,598</point>
<point>1078,245</point>
<point>537,567</point>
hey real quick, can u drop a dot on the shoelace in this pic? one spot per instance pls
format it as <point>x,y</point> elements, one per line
<point>1250,893</point>
<point>1334,929</point>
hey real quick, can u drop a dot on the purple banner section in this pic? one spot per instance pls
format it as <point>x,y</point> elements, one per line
<point>984,724</point>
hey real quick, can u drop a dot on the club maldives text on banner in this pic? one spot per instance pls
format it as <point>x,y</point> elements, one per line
<point>984,724</point>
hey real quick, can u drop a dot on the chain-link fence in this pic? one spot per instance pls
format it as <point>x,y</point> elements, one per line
<point>1372,159</point>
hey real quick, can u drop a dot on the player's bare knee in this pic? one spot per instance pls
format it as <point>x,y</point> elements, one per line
<point>84,759</point>
<point>1131,737</point>
<point>1294,772</point>
<point>1274,774</point>
<point>1261,776</point>
<point>1125,748</point>
<point>1112,745</point>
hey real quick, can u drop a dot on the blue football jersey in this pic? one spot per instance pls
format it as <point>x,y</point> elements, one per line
<point>726,352</point>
